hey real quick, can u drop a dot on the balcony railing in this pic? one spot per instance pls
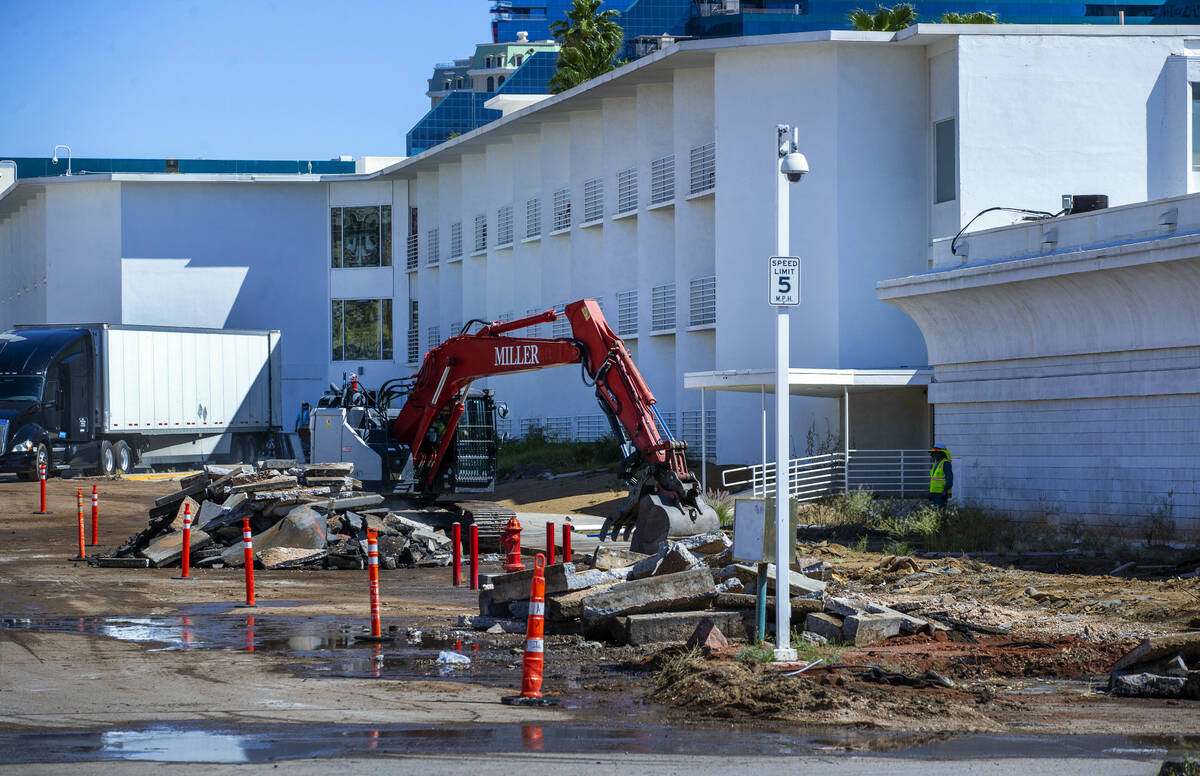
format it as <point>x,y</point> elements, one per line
<point>412,251</point>
<point>898,473</point>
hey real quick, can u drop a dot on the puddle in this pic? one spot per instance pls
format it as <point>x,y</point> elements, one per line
<point>205,743</point>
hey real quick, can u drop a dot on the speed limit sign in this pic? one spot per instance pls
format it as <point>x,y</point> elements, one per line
<point>783,281</point>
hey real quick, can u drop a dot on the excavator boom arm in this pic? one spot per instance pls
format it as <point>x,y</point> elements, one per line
<point>450,368</point>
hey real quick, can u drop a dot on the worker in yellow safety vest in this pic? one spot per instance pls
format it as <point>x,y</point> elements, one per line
<point>941,476</point>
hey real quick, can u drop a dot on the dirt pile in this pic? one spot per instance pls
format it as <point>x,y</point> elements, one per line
<point>731,690</point>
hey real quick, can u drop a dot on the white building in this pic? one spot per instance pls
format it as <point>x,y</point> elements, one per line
<point>1066,359</point>
<point>649,189</point>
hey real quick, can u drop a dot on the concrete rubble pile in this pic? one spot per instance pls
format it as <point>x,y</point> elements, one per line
<point>1160,667</point>
<point>630,598</point>
<point>311,516</point>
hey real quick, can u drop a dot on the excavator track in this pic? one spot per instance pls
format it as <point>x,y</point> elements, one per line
<point>488,515</point>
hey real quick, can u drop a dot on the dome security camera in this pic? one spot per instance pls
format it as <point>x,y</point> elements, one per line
<point>794,167</point>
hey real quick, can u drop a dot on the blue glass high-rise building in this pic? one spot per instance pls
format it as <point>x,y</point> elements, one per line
<point>723,18</point>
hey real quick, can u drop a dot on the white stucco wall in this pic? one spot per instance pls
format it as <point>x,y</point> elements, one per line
<point>1065,381</point>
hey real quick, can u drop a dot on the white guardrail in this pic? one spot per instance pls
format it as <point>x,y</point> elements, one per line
<point>900,473</point>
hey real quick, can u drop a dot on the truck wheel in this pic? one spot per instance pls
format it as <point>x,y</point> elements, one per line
<point>124,456</point>
<point>43,455</point>
<point>108,459</point>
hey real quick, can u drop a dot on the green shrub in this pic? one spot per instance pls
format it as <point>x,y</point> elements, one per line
<point>722,503</point>
<point>534,454</point>
<point>754,654</point>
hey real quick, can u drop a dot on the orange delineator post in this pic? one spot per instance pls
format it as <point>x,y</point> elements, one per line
<point>533,663</point>
<point>79,503</point>
<point>185,559</point>
<point>42,477</point>
<point>95,515</point>
<point>373,575</point>
<point>248,556</point>
<point>567,543</point>
<point>473,532</point>
<point>550,542</point>
<point>456,553</point>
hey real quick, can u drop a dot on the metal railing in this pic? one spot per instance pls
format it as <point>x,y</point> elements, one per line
<point>898,473</point>
<point>412,251</point>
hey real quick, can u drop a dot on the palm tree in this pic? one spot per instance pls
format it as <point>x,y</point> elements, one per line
<point>884,19</point>
<point>589,41</point>
<point>975,17</point>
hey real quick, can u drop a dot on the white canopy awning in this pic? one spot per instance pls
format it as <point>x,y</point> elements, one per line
<point>829,383</point>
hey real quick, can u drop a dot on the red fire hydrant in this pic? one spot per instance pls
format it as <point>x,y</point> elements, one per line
<point>510,542</point>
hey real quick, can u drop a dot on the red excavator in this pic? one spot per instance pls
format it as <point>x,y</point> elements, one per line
<point>430,452</point>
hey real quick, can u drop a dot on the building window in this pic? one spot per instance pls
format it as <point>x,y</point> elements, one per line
<point>692,434</point>
<point>362,329</point>
<point>559,427</point>
<point>561,327</point>
<point>361,236</point>
<point>562,209</point>
<point>627,313</point>
<point>491,84</point>
<point>504,229</point>
<point>662,309</point>
<point>487,61</point>
<point>414,345</point>
<point>433,337</point>
<point>627,192</point>
<point>533,217</point>
<point>662,180</point>
<point>433,246</point>
<point>1196,125</point>
<point>593,200</point>
<point>702,310</point>
<point>591,428</point>
<point>944,173</point>
<point>667,422</point>
<point>458,82</point>
<point>500,81</point>
<point>456,240</point>
<point>455,328</point>
<point>446,85</point>
<point>480,233</point>
<point>538,329</point>
<point>703,168</point>
<point>520,58</point>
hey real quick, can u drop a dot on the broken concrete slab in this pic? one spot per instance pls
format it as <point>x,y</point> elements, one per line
<point>865,628</point>
<point>486,623</point>
<point>355,502</point>
<point>271,483</point>
<point>675,559</point>
<point>706,544</point>
<point>707,637</point>
<point>800,584</point>
<point>192,506</point>
<point>607,558</point>
<point>288,557</point>
<point>292,494</point>
<point>336,469</point>
<point>671,592</point>
<point>122,563</point>
<point>168,548</point>
<point>1142,685</point>
<point>641,629</point>
<point>847,606</point>
<point>827,626</point>
<point>210,511</point>
<point>1156,648</point>
<point>304,527</point>
<point>560,578</point>
<point>800,606</point>
<point>561,607</point>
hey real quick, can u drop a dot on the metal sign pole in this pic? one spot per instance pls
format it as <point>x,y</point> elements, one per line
<point>781,289</point>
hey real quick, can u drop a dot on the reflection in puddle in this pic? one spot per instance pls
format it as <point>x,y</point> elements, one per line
<point>202,743</point>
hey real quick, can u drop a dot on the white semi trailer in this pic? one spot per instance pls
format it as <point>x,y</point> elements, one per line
<point>109,397</point>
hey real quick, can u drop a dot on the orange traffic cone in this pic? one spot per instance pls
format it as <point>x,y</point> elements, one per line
<point>531,675</point>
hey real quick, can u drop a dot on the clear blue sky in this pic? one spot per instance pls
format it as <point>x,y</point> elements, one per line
<point>224,80</point>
